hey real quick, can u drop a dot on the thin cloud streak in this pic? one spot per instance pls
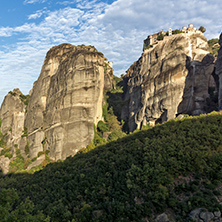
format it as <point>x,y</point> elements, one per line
<point>34,1</point>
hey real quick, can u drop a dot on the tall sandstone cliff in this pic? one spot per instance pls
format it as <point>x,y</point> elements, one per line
<point>219,72</point>
<point>12,114</point>
<point>65,102</point>
<point>170,78</point>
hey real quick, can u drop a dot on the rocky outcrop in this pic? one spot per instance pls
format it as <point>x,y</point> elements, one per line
<point>198,215</point>
<point>162,218</point>
<point>37,162</point>
<point>219,72</point>
<point>203,215</point>
<point>66,101</point>
<point>12,113</point>
<point>170,78</point>
<point>4,164</point>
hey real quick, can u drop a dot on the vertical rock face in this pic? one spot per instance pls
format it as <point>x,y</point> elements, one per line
<point>219,71</point>
<point>66,101</point>
<point>12,113</point>
<point>171,78</point>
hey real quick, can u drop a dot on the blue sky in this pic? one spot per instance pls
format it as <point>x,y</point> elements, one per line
<point>117,28</point>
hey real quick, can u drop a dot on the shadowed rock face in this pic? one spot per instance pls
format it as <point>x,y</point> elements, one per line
<point>171,78</point>
<point>219,72</point>
<point>66,101</point>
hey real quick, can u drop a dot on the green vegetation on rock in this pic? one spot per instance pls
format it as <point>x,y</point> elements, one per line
<point>175,166</point>
<point>214,46</point>
<point>17,165</point>
<point>160,37</point>
<point>111,125</point>
<point>27,147</point>
<point>202,29</point>
<point>25,132</point>
<point>24,99</point>
<point>176,31</point>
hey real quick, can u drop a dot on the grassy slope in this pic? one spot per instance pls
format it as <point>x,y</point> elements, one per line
<point>176,165</point>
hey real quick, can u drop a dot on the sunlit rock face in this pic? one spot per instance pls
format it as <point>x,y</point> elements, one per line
<point>66,100</point>
<point>170,78</point>
<point>12,114</point>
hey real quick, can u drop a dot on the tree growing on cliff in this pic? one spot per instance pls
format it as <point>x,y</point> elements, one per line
<point>160,37</point>
<point>202,29</point>
<point>176,31</point>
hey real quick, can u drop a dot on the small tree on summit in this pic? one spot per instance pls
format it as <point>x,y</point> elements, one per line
<point>160,37</point>
<point>202,29</point>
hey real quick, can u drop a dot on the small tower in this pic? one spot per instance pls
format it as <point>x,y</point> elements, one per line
<point>170,31</point>
<point>184,29</point>
<point>151,39</point>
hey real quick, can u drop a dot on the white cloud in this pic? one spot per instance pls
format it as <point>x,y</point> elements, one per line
<point>37,14</point>
<point>34,1</point>
<point>68,2</point>
<point>117,30</point>
<point>5,31</point>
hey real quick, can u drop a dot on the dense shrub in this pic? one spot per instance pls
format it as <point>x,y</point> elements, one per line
<point>148,47</point>
<point>176,31</point>
<point>175,166</point>
<point>17,164</point>
<point>160,37</point>
<point>27,147</point>
<point>102,127</point>
<point>24,99</point>
<point>214,46</point>
<point>8,154</point>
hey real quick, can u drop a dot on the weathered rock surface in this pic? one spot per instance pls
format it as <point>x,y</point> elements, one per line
<point>219,72</point>
<point>4,164</point>
<point>12,113</point>
<point>37,162</point>
<point>202,215</point>
<point>162,218</point>
<point>169,79</point>
<point>65,103</point>
<point>66,100</point>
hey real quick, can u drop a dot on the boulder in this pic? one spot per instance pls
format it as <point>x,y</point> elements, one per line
<point>194,214</point>
<point>206,216</point>
<point>4,164</point>
<point>162,218</point>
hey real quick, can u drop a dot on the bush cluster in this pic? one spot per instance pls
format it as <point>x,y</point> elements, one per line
<point>175,166</point>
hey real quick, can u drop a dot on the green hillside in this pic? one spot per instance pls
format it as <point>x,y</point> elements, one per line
<point>173,167</point>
